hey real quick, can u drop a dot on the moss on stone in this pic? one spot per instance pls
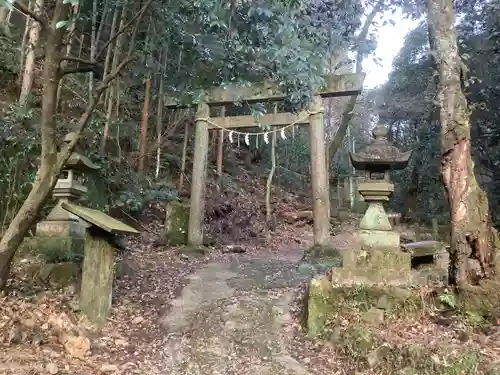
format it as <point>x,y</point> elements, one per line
<point>63,274</point>
<point>374,266</point>
<point>357,340</point>
<point>364,350</point>
<point>320,305</point>
<point>53,249</point>
<point>192,250</point>
<point>57,275</point>
<point>324,303</point>
<point>481,300</point>
<point>176,223</point>
<point>323,255</point>
<point>350,318</point>
<point>361,298</point>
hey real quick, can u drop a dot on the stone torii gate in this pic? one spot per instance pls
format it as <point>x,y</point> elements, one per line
<point>335,86</point>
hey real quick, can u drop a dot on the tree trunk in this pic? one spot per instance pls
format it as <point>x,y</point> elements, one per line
<point>159,114</point>
<point>109,116</point>
<point>109,49</point>
<point>4,12</point>
<point>472,235</point>
<point>184,156</point>
<point>47,173</point>
<point>29,66</point>
<point>109,98</point>
<point>93,45</point>
<point>69,45</point>
<point>22,55</point>
<point>220,152</point>
<point>144,127</point>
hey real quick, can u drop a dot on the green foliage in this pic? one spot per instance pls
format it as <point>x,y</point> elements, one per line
<point>206,43</point>
<point>448,299</point>
<point>9,58</point>
<point>249,42</point>
<point>20,145</point>
<point>118,185</point>
<point>53,249</point>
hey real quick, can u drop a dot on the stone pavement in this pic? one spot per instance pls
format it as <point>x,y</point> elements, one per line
<point>234,319</point>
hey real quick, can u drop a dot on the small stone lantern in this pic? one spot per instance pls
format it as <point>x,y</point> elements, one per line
<point>66,231</point>
<point>377,160</point>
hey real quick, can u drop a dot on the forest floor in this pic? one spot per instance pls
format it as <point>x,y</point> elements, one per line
<point>221,313</point>
<point>224,312</point>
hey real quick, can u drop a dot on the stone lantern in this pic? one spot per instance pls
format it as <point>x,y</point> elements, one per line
<point>65,229</point>
<point>377,160</point>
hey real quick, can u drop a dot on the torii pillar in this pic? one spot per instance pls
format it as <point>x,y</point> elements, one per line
<point>335,86</point>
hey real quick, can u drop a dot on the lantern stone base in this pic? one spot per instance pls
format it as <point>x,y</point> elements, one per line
<point>373,266</point>
<point>60,240</point>
<point>380,239</point>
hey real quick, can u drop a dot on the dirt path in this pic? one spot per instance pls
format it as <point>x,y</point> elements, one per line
<point>233,318</point>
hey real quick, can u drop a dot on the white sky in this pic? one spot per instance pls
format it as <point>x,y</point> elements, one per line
<point>390,41</point>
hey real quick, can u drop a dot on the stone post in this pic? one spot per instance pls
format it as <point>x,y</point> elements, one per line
<point>320,193</point>
<point>195,227</point>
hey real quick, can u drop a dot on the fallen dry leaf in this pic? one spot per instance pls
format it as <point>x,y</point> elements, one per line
<point>76,346</point>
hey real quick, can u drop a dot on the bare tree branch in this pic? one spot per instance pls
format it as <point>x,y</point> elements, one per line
<point>84,119</point>
<point>138,17</point>
<point>348,112</point>
<point>85,67</point>
<point>30,13</point>
<point>77,60</point>
<point>82,123</point>
<point>97,70</point>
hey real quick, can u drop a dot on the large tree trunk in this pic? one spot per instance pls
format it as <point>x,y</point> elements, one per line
<point>472,235</point>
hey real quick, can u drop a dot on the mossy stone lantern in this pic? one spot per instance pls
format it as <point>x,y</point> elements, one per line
<point>62,231</point>
<point>377,160</point>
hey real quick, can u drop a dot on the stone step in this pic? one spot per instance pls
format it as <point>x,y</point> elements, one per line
<point>423,248</point>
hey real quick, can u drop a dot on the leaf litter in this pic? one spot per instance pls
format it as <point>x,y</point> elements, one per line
<point>41,333</point>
